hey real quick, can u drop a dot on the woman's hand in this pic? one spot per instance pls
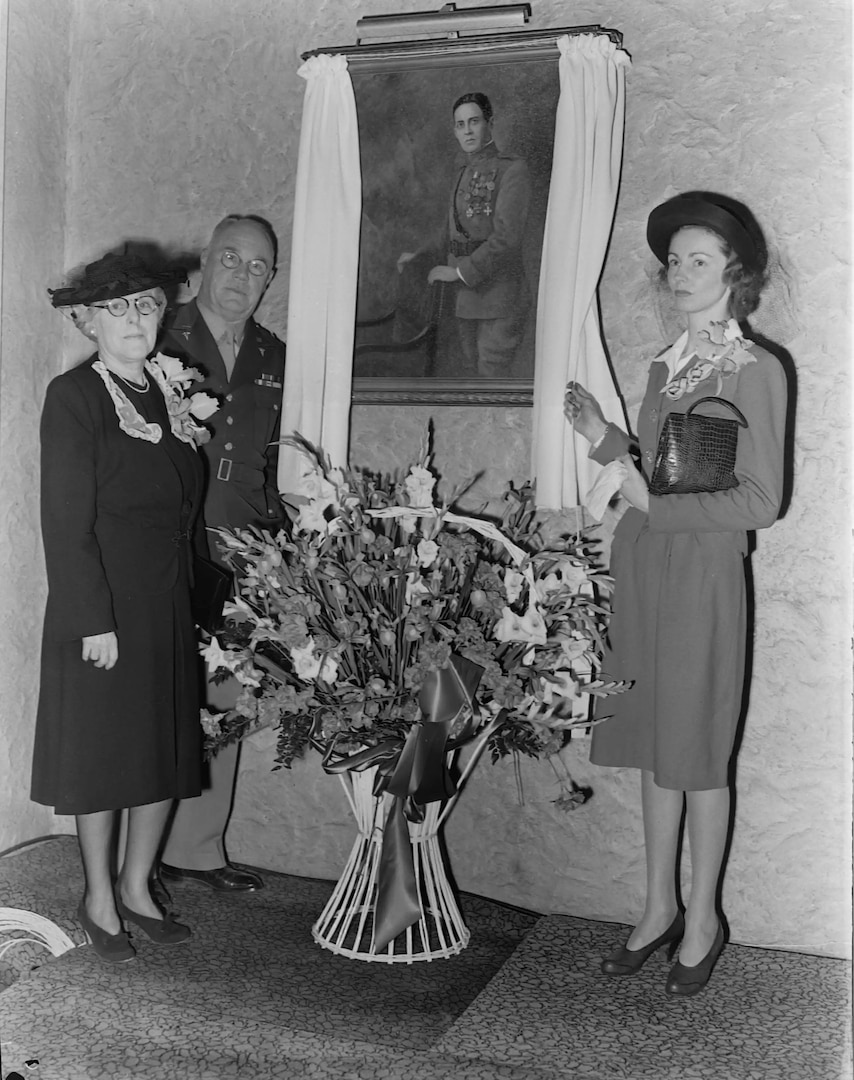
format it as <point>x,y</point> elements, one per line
<point>582,411</point>
<point>102,649</point>
<point>633,488</point>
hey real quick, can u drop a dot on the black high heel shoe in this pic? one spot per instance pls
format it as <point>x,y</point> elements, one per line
<point>685,981</point>
<point>629,961</point>
<point>115,948</point>
<point>163,931</point>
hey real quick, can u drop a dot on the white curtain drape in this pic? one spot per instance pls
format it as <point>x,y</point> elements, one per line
<point>585,176</point>
<point>324,267</point>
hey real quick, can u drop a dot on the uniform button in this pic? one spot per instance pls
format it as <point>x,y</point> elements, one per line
<point>229,419</point>
<point>229,446</point>
<point>229,397</point>
<point>275,408</point>
<point>648,455</point>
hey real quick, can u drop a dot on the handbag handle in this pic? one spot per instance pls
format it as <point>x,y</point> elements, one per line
<point>720,401</point>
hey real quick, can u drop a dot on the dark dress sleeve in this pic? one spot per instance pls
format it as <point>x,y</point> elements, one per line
<point>79,598</point>
<point>201,542</point>
<point>615,444</point>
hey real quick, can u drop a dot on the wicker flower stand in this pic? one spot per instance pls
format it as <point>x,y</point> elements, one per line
<point>346,924</point>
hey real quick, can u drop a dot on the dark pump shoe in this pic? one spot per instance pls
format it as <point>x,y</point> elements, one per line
<point>114,948</point>
<point>629,961</point>
<point>685,981</point>
<point>163,931</point>
<point>226,878</point>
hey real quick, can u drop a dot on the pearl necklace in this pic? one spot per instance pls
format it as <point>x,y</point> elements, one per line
<point>140,389</point>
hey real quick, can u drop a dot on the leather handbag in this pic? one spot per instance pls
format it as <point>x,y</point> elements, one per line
<point>212,586</point>
<point>697,453</point>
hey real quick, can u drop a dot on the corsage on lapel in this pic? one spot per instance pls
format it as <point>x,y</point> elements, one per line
<point>184,412</point>
<point>731,352</point>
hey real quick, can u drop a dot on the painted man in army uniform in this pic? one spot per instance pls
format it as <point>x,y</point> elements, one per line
<point>243,366</point>
<point>481,243</point>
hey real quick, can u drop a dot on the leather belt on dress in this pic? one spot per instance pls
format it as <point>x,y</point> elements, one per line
<point>232,470</point>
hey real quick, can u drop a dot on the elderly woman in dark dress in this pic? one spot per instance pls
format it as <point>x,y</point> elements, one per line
<point>118,717</point>
<point>680,615</point>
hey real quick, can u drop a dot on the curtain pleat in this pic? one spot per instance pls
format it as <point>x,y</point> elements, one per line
<point>585,178</point>
<point>324,267</point>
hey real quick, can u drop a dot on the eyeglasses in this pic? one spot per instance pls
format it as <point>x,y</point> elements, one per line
<point>145,305</point>
<point>231,260</point>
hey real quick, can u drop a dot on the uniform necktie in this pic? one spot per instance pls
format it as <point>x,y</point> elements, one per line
<point>228,349</point>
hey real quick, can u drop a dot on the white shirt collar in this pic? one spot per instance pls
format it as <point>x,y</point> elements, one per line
<point>219,328</point>
<point>673,356</point>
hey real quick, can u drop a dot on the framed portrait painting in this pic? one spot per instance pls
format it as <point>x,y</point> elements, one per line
<point>455,142</point>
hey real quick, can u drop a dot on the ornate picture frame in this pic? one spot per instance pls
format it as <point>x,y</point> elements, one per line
<point>404,95</point>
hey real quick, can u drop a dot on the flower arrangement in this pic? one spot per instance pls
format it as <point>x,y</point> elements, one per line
<point>185,411</point>
<point>344,619</point>
<point>730,352</point>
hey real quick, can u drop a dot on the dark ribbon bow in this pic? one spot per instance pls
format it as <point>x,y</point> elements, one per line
<point>415,771</point>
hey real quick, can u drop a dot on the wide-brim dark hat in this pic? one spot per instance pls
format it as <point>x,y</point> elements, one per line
<point>118,273</point>
<point>706,209</point>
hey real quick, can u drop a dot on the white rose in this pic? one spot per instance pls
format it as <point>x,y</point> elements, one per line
<point>203,405</point>
<point>427,552</point>
<point>305,660</point>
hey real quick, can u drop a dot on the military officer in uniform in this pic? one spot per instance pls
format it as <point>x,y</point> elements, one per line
<point>480,244</point>
<point>243,366</point>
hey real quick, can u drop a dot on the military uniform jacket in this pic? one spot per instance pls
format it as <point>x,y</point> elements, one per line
<point>242,455</point>
<point>488,211</point>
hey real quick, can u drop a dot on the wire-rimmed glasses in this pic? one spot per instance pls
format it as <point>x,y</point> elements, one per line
<point>231,260</point>
<point>119,305</point>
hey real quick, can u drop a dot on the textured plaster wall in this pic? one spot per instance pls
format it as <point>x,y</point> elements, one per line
<point>181,113</point>
<point>751,99</point>
<point>33,238</point>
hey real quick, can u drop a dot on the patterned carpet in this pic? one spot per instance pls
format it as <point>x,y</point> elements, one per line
<point>251,995</point>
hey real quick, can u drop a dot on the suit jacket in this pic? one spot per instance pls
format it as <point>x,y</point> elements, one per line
<point>488,210</point>
<point>112,507</point>
<point>242,455</point>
